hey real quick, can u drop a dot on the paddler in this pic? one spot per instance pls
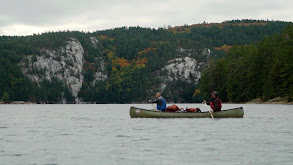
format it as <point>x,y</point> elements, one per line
<point>161,102</point>
<point>216,103</point>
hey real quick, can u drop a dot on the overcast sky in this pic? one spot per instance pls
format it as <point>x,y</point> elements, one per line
<point>26,17</point>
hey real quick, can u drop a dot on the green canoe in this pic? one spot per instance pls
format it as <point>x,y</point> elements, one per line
<point>144,113</point>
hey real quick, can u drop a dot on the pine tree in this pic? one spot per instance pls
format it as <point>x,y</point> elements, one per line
<point>5,97</point>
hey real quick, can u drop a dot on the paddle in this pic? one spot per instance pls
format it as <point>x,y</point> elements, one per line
<point>209,110</point>
<point>155,107</point>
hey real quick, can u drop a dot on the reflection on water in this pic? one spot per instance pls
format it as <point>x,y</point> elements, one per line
<point>105,134</point>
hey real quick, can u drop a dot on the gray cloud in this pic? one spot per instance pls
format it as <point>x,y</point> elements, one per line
<point>25,17</point>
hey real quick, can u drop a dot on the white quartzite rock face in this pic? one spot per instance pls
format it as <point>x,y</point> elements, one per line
<point>183,68</point>
<point>94,41</point>
<point>99,76</point>
<point>65,64</point>
<point>73,74</point>
<point>186,69</point>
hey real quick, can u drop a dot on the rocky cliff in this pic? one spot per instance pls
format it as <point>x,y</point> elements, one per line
<point>185,69</point>
<point>67,65</point>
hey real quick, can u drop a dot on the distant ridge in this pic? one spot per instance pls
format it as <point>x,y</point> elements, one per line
<point>243,22</point>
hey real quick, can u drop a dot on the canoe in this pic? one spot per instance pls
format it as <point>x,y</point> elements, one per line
<point>144,113</point>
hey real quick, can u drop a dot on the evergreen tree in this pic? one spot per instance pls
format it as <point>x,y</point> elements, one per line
<point>5,97</point>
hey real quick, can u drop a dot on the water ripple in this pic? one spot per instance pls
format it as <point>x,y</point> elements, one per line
<point>123,136</point>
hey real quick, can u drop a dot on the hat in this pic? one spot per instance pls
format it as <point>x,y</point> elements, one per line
<point>214,93</point>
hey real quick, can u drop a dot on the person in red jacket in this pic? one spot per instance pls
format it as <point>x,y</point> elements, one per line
<point>216,103</point>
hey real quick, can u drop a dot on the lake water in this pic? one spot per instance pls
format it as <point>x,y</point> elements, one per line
<point>106,135</point>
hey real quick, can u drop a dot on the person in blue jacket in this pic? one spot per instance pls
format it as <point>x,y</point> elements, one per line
<point>161,102</point>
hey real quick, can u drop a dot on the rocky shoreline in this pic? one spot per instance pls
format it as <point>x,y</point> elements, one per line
<point>277,100</point>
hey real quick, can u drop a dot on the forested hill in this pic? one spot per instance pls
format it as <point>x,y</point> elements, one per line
<point>130,64</point>
<point>262,71</point>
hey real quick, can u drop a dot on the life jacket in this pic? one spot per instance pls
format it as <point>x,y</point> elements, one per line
<point>163,106</point>
<point>212,104</point>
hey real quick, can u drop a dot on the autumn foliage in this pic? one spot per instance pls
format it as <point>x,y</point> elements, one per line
<point>104,37</point>
<point>146,51</point>
<point>88,66</point>
<point>225,48</point>
<point>187,28</point>
<point>140,62</point>
<point>122,62</point>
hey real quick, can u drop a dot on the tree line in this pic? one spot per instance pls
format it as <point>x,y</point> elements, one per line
<point>251,71</point>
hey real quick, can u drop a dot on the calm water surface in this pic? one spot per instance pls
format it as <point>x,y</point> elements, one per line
<point>105,134</point>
